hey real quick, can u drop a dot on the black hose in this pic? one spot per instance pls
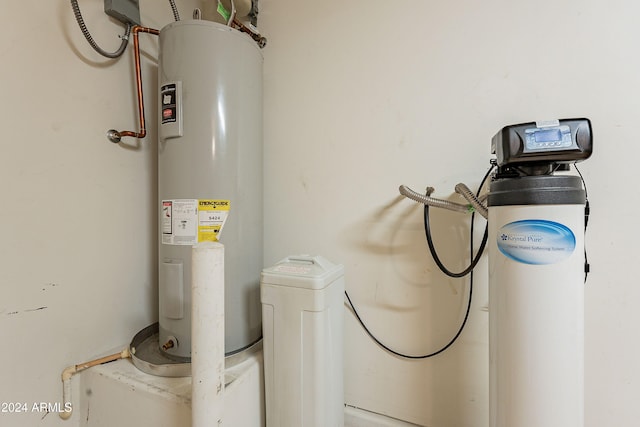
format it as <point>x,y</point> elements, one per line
<point>432,249</point>
<point>410,356</point>
<point>436,258</point>
<point>92,43</point>
<point>468,270</point>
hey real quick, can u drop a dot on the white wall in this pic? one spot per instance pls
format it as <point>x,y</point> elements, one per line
<point>363,96</point>
<point>359,98</point>
<point>78,213</point>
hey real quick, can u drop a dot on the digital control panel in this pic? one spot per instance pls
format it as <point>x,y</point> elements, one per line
<point>551,141</point>
<point>553,138</point>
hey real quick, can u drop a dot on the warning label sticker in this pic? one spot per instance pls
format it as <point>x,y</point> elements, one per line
<point>189,221</point>
<point>165,218</point>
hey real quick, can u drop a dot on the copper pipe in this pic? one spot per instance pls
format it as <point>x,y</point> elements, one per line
<point>262,41</point>
<point>169,344</point>
<point>114,135</point>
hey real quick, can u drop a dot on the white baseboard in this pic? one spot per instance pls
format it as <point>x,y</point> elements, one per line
<point>356,417</point>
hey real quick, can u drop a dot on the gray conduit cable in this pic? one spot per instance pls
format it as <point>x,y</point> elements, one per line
<point>464,191</point>
<point>92,43</point>
<point>430,201</point>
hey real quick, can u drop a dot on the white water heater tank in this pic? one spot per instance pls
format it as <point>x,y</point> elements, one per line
<point>209,175</point>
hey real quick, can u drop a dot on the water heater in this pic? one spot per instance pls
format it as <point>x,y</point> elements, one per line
<point>209,175</point>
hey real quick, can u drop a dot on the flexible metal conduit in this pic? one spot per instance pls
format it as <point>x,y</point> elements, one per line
<point>94,45</point>
<point>114,135</point>
<point>464,191</point>
<point>176,15</point>
<point>431,201</point>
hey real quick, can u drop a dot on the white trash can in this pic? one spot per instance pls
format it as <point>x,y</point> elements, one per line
<point>302,321</point>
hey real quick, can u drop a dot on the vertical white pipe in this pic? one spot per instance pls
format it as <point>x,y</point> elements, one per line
<point>207,330</point>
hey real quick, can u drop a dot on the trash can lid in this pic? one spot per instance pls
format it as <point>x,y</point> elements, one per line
<point>302,271</point>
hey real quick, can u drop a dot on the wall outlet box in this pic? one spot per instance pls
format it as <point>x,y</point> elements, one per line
<point>125,11</point>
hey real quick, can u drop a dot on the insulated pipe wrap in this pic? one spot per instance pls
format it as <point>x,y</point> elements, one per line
<point>243,7</point>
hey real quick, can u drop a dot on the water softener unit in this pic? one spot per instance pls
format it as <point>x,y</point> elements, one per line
<point>209,176</point>
<point>537,269</point>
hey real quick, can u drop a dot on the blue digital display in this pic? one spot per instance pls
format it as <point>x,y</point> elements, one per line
<point>543,142</point>
<point>548,139</point>
<point>551,135</point>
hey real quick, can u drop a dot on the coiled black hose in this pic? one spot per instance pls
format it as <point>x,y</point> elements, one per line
<point>92,43</point>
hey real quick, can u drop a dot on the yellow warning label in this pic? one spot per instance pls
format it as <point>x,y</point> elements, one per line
<point>212,214</point>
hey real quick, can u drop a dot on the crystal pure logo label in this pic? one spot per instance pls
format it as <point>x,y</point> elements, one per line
<point>536,241</point>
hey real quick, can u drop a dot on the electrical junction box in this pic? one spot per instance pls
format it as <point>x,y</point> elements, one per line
<point>125,11</point>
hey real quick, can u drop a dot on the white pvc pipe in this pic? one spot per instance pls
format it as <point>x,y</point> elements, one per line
<point>70,371</point>
<point>207,334</point>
